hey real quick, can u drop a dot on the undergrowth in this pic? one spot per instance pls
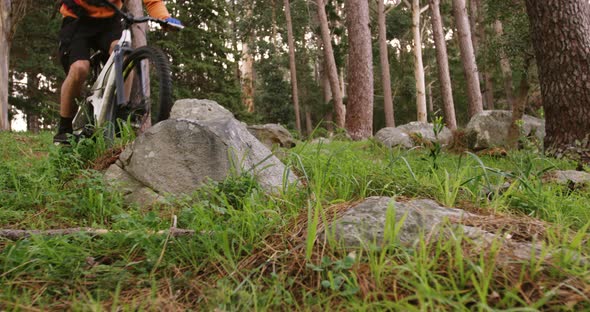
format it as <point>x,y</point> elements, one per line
<point>259,251</point>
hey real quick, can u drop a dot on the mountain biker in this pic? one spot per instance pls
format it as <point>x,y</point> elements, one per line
<point>89,24</point>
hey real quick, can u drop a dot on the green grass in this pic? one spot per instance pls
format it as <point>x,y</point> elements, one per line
<point>256,251</point>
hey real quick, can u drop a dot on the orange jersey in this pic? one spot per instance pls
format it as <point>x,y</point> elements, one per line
<point>155,8</point>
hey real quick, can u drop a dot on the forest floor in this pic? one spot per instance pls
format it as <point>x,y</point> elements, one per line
<point>255,251</point>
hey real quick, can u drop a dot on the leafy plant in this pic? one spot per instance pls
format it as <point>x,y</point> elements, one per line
<point>436,147</point>
<point>337,275</point>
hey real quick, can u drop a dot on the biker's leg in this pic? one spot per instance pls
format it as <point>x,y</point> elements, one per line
<point>70,90</point>
<point>75,44</point>
<point>112,47</point>
<point>72,87</point>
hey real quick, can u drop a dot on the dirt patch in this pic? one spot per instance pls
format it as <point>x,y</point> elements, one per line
<point>105,161</point>
<point>519,229</point>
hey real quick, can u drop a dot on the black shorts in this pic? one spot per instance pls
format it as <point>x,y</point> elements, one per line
<point>79,36</point>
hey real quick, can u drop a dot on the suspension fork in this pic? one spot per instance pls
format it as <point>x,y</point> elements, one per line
<point>119,81</point>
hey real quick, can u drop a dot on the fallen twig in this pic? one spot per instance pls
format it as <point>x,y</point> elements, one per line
<point>21,234</point>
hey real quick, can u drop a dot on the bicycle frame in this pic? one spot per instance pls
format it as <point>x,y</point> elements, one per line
<point>109,79</point>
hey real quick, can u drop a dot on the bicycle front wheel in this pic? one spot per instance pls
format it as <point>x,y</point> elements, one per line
<point>148,89</point>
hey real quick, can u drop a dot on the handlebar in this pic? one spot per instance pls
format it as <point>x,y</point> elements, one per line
<point>130,19</point>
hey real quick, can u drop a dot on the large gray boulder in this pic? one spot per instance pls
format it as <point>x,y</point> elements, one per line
<point>273,135</point>
<point>407,134</point>
<point>195,109</point>
<point>490,128</point>
<point>565,177</point>
<point>364,224</point>
<point>392,137</point>
<point>133,191</point>
<point>426,132</point>
<point>178,156</point>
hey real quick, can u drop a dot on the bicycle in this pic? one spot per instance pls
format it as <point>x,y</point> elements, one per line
<point>120,89</point>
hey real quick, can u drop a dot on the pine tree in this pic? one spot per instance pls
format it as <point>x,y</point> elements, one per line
<point>359,113</point>
<point>561,37</point>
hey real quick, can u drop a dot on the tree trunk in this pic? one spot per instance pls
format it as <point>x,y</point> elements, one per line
<point>474,10</point>
<point>443,65</point>
<point>518,109</point>
<point>468,58</point>
<point>247,77</point>
<point>234,43</point>
<point>561,37</point>
<point>488,93</point>
<point>327,94</point>
<point>139,31</point>
<point>321,70</point>
<point>342,83</point>
<point>478,38</point>
<point>274,25</point>
<point>430,98</point>
<point>339,109</point>
<point>489,90</point>
<point>5,42</point>
<point>385,76</point>
<point>308,123</point>
<point>292,66</point>
<point>473,15</point>
<point>359,115</point>
<point>505,66</point>
<point>33,124</point>
<point>418,64</point>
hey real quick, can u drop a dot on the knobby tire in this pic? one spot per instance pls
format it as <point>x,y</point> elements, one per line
<point>157,106</point>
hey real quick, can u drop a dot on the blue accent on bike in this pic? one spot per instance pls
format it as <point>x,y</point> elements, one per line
<point>173,22</point>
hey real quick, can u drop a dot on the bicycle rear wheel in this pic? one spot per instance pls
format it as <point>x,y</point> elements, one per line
<point>148,89</point>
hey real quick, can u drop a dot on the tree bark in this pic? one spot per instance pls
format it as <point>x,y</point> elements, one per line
<point>5,43</point>
<point>468,58</point>
<point>561,38</point>
<point>443,65</point>
<point>339,109</point>
<point>292,66</point>
<point>359,115</point>
<point>385,75</point>
<point>505,66</point>
<point>422,114</point>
